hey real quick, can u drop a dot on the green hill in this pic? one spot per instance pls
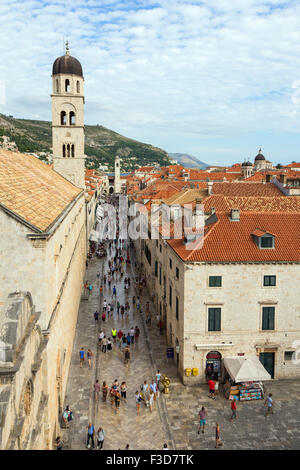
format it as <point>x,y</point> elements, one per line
<point>101,144</point>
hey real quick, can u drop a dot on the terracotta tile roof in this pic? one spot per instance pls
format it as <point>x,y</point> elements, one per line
<point>256,177</point>
<point>32,190</point>
<point>227,241</point>
<point>186,196</point>
<point>252,204</point>
<point>246,189</point>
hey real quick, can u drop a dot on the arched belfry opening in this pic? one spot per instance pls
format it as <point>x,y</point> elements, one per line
<point>67,85</point>
<point>63,118</point>
<point>72,118</point>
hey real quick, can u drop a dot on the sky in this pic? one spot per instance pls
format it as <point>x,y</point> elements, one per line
<point>216,79</point>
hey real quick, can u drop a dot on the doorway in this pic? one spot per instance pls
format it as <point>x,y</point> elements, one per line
<point>268,361</point>
<point>213,364</point>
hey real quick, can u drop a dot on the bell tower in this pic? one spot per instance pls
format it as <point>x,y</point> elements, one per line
<point>68,119</point>
<point>117,183</point>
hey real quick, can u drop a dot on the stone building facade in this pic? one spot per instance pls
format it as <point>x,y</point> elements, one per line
<point>238,294</point>
<point>42,253</point>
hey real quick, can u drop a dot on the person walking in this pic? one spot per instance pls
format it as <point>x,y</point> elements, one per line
<point>97,390</point>
<point>96,316</point>
<point>138,400</point>
<point>211,387</point>
<point>151,400</point>
<point>202,419</point>
<point>89,357</point>
<point>58,443</point>
<point>103,316</point>
<point>104,391</point>
<point>114,335</point>
<point>123,390</point>
<point>233,409</point>
<point>104,344</point>
<point>124,341</point>
<point>158,377</point>
<point>109,345</point>
<point>100,337</point>
<point>218,436</point>
<point>153,388</point>
<point>132,334</point>
<point>137,334</point>
<point>126,356</point>
<point>81,357</point>
<point>114,292</point>
<point>117,399</point>
<point>90,435</point>
<point>269,404</point>
<point>100,438</point>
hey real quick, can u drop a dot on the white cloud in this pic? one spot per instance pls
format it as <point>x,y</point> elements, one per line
<point>174,73</point>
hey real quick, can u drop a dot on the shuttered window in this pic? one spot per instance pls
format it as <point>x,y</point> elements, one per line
<point>214,319</point>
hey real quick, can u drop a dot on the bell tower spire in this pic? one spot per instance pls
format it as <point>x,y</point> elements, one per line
<point>68,119</point>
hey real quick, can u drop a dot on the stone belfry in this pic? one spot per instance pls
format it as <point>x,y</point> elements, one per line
<point>117,181</point>
<point>68,119</point>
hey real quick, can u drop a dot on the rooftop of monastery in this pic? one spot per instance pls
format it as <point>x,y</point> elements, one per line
<point>32,190</point>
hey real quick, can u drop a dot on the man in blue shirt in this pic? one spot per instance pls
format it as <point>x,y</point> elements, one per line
<point>81,356</point>
<point>90,435</point>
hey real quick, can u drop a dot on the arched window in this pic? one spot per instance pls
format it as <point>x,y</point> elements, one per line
<point>78,86</point>
<point>72,118</point>
<point>63,118</point>
<point>68,150</point>
<point>57,86</point>
<point>67,85</point>
<point>64,151</point>
<point>73,151</point>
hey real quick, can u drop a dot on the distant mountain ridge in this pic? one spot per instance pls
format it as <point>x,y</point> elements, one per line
<point>188,161</point>
<point>102,145</point>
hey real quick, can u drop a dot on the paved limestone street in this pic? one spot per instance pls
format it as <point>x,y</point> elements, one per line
<point>175,416</point>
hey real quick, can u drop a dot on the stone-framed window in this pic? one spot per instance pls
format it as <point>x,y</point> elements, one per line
<point>214,319</point>
<point>215,281</point>
<point>268,318</point>
<point>269,281</point>
<point>288,355</point>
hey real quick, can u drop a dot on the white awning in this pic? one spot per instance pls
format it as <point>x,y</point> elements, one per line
<point>246,369</point>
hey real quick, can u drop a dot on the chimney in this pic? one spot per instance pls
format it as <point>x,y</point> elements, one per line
<point>209,187</point>
<point>235,215</point>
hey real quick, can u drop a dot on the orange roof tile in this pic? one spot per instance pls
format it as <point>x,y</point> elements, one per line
<point>227,241</point>
<point>246,189</point>
<point>32,190</point>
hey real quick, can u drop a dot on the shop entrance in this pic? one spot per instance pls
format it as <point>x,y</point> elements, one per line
<point>268,361</point>
<point>213,364</point>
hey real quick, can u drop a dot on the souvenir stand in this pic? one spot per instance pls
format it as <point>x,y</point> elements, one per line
<point>245,378</point>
